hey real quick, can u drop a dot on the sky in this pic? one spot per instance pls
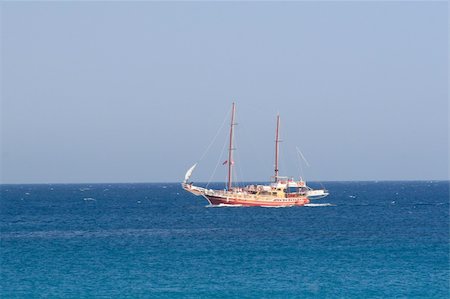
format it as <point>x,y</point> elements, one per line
<point>137,91</point>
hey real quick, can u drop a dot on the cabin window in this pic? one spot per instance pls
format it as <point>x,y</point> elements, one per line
<point>292,190</point>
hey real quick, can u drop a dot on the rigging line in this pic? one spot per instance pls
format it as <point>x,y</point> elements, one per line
<point>282,160</point>
<point>240,173</point>
<point>256,153</point>
<point>238,170</point>
<point>225,183</point>
<point>302,174</point>
<point>303,157</point>
<point>217,164</point>
<point>215,137</point>
<point>307,164</point>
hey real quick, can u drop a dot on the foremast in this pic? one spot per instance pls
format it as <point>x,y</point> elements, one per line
<point>230,150</point>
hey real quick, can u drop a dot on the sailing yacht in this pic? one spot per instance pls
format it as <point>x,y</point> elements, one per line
<point>281,192</point>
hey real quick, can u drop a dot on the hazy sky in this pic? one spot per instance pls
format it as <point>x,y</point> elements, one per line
<point>136,91</point>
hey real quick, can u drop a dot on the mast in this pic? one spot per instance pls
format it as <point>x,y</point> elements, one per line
<point>277,140</point>
<point>230,149</point>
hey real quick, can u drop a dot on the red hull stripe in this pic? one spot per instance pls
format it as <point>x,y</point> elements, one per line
<point>215,200</point>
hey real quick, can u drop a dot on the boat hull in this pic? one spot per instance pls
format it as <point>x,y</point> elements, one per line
<point>277,202</point>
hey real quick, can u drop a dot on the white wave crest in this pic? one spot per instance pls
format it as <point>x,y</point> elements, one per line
<point>222,205</point>
<point>319,205</point>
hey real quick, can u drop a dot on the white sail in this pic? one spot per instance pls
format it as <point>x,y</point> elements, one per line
<point>189,173</point>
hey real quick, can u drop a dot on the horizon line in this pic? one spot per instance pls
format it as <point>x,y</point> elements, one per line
<point>222,182</point>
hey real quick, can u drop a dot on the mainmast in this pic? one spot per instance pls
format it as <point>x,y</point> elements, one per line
<point>230,149</point>
<point>276,148</point>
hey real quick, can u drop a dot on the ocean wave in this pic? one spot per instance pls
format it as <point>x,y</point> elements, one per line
<point>223,205</point>
<point>319,205</point>
<point>63,234</point>
<point>285,206</point>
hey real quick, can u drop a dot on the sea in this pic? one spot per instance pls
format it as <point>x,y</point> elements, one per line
<point>365,240</point>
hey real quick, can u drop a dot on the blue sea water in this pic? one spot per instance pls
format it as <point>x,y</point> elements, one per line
<point>375,240</point>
